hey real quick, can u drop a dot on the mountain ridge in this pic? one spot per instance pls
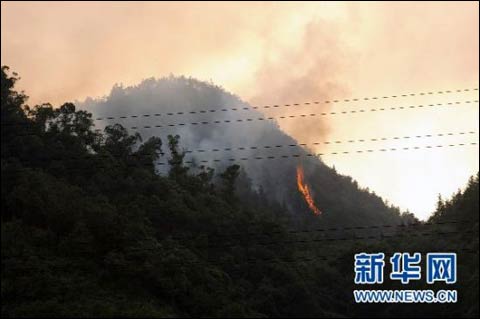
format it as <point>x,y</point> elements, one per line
<point>173,95</point>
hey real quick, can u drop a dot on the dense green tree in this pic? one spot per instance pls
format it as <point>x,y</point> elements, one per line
<point>178,171</point>
<point>229,176</point>
<point>90,228</point>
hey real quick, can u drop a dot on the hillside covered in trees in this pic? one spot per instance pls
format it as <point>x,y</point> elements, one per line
<point>217,129</point>
<point>91,226</point>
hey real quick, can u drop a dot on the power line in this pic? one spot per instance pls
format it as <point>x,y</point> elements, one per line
<point>329,229</point>
<point>330,153</point>
<point>249,108</point>
<point>381,236</point>
<point>319,240</point>
<point>310,115</point>
<point>334,101</point>
<point>356,111</point>
<point>269,157</point>
<point>270,147</point>
<point>297,259</point>
<point>378,139</point>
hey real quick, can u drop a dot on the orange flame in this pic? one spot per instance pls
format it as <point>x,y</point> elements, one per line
<point>303,188</point>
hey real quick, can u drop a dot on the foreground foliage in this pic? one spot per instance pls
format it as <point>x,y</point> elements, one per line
<point>89,228</point>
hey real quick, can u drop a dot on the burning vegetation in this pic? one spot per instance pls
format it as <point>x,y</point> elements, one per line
<point>303,188</point>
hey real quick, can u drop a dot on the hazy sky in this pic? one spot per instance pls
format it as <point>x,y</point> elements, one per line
<point>280,53</point>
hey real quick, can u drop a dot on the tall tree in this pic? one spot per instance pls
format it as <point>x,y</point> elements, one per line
<point>229,176</point>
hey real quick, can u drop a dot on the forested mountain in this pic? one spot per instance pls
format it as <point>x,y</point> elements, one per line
<point>209,118</point>
<point>91,226</point>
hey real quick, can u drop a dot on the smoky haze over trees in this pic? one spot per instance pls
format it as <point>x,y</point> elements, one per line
<point>92,226</point>
<point>181,101</point>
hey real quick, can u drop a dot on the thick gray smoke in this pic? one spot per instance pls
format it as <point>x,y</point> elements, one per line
<point>177,102</point>
<point>159,102</point>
